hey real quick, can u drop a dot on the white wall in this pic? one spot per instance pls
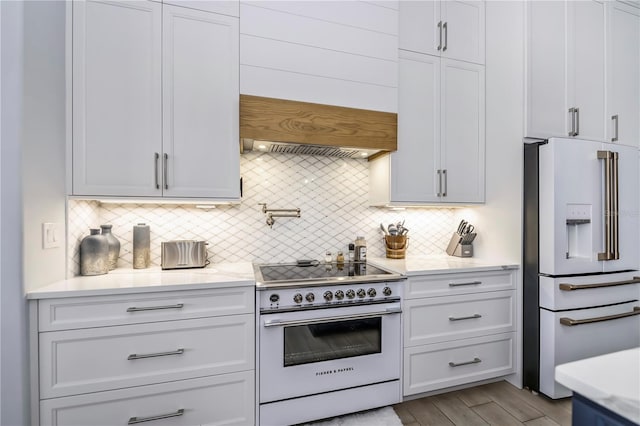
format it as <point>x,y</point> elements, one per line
<point>499,221</point>
<point>14,404</point>
<point>44,141</point>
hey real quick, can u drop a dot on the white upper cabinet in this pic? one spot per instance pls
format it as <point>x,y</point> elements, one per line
<point>200,98</point>
<point>623,90</point>
<point>441,142</point>
<point>583,63</point>
<point>117,97</point>
<point>337,53</point>
<point>451,29</point>
<point>155,101</point>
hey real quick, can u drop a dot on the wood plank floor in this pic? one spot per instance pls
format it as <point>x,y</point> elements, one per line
<point>499,404</point>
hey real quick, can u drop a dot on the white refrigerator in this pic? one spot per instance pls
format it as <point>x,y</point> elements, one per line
<point>581,285</point>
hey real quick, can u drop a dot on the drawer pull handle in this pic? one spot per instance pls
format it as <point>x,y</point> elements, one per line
<point>136,356</point>
<point>465,318</point>
<point>571,322</point>
<point>155,308</point>
<point>458,364</point>
<point>571,287</point>
<point>469,283</point>
<point>136,420</point>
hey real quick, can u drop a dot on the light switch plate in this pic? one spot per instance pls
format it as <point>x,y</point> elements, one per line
<point>51,235</point>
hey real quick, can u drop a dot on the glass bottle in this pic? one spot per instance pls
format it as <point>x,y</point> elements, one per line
<point>94,254</point>
<point>114,246</point>
<point>361,249</point>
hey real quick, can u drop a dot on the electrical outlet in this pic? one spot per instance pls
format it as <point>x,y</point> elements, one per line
<point>51,235</point>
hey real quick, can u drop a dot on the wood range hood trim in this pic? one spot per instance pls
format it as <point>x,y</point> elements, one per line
<point>304,123</point>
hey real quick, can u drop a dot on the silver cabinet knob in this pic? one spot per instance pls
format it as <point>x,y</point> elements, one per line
<point>351,294</point>
<point>371,292</point>
<point>310,297</point>
<point>386,291</point>
<point>328,296</point>
<point>297,298</point>
<point>361,293</point>
<point>339,294</point>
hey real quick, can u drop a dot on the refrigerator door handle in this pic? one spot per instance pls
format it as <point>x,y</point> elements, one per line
<point>611,224</point>
<point>571,322</point>
<point>572,287</point>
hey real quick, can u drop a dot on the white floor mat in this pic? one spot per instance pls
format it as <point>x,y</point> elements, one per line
<point>379,417</point>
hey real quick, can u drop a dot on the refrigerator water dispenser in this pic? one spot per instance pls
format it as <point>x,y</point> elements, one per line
<point>578,231</point>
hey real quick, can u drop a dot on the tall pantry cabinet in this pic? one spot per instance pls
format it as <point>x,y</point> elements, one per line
<point>583,60</point>
<point>155,101</point>
<point>441,108</point>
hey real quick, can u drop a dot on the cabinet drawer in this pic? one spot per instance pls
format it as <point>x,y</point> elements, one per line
<point>81,361</point>
<point>458,283</point>
<point>97,311</point>
<point>441,365</point>
<point>440,319</point>
<point>225,399</point>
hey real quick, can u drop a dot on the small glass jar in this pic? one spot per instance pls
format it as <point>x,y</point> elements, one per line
<point>352,252</point>
<point>340,258</point>
<point>327,257</point>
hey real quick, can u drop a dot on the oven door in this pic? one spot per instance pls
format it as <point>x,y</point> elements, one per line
<point>314,351</point>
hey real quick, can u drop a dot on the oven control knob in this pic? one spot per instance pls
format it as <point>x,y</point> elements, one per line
<point>328,296</point>
<point>386,291</point>
<point>297,298</point>
<point>371,292</point>
<point>361,293</point>
<point>310,297</point>
<point>339,294</point>
<point>351,294</point>
<point>274,298</point>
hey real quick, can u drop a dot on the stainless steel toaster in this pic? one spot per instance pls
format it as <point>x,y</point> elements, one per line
<point>183,254</point>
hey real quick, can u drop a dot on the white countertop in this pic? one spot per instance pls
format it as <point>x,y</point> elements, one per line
<point>611,380</point>
<point>121,281</point>
<point>425,265</point>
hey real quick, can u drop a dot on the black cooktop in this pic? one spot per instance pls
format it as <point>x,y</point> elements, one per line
<point>320,272</point>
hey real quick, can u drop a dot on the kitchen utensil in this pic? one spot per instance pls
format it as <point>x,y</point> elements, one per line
<point>384,231</point>
<point>392,229</point>
<point>468,229</point>
<point>183,254</point>
<point>461,226</point>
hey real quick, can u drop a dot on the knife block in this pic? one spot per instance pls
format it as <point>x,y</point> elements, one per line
<point>457,248</point>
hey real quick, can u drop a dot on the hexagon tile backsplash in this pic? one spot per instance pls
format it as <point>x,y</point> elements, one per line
<point>331,193</point>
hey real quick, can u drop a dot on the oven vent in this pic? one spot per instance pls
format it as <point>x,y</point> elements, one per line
<point>315,150</point>
<point>305,149</point>
<point>294,127</point>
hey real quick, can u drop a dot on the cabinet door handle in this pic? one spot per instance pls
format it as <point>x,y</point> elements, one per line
<point>155,308</point>
<point>440,40</point>
<point>446,32</point>
<point>156,157</point>
<point>577,112</point>
<point>439,183</point>
<point>468,283</point>
<point>572,132</point>
<point>615,128</point>
<point>444,175</point>
<point>136,420</point>
<point>164,177</point>
<point>572,322</point>
<point>474,316</point>
<point>155,355</point>
<point>458,364</point>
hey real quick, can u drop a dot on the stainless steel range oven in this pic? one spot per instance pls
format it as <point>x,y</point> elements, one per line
<point>329,340</point>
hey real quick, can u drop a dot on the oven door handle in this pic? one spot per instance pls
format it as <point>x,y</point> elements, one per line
<point>280,323</point>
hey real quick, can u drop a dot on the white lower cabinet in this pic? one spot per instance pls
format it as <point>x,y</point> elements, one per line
<point>459,328</point>
<point>441,365</point>
<point>225,399</point>
<point>166,357</point>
